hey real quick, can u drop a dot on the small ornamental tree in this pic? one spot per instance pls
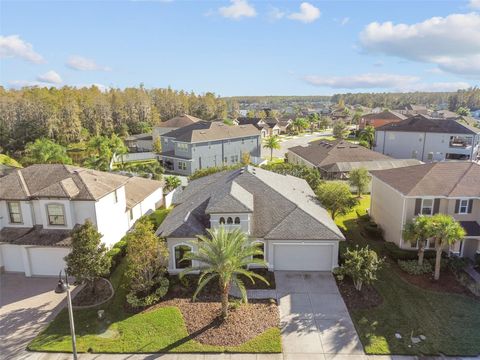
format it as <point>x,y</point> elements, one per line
<point>171,183</point>
<point>87,261</point>
<point>147,260</point>
<point>340,130</point>
<point>336,197</point>
<point>246,158</point>
<point>359,178</point>
<point>157,145</point>
<point>416,232</point>
<point>361,265</point>
<point>368,135</point>
<point>272,143</point>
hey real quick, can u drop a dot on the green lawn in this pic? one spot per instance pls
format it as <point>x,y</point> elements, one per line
<point>450,322</point>
<point>159,330</point>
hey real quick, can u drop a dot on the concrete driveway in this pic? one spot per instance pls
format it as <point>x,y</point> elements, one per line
<point>26,306</point>
<point>314,318</point>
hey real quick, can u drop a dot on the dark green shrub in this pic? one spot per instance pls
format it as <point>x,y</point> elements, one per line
<point>374,231</point>
<point>395,253</point>
<point>457,264</point>
<point>412,267</point>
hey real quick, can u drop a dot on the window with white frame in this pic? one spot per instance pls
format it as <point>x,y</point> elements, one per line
<point>182,165</point>
<point>182,146</point>
<point>56,214</point>
<point>15,212</point>
<point>463,206</point>
<point>427,207</point>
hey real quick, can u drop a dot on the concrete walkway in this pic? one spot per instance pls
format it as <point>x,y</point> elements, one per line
<point>314,319</point>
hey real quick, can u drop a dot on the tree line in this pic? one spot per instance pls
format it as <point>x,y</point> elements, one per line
<point>68,115</point>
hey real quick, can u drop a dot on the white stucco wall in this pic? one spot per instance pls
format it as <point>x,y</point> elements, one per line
<point>26,214</point>
<point>111,217</point>
<point>84,210</point>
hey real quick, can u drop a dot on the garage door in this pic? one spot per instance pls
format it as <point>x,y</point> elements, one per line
<point>303,257</point>
<point>47,261</point>
<point>12,258</point>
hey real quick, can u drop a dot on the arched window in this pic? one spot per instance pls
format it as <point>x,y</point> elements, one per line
<point>180,250</point>
<point>261,246</point>
<point>237,220</point>
<point>229,220</point>
<point>222,220</point>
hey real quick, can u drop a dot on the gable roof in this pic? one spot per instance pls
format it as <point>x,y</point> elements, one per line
<point>423,123</point>
<point>210,131</point>
<point>179,121</point>
<point>325,153</point>
<point>283,207</point>
<point>450,179</point>
<point>60,181</point>
<point>137,189</point>
<point>385,115</point>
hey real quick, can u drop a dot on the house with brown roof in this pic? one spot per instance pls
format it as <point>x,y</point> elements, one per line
<point>41,204</point>
<point>428,139</point>
<point>379,119</point>
<point>452,188</point>
<point>207,144</point>
<point>268,127</point>
<point>335,159</point>
<point>173,124</point>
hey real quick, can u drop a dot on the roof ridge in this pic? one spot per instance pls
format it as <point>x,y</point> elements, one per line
<point>76,172</point>
<point>24,184</point>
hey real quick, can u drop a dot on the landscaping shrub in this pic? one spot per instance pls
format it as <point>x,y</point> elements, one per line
<point>138,301</point>
<point>116,254</point>
<point>457,264</point>
<point>413,268</point>
<point>396,253</point>
<point>374,231</point>
<point>310,175</point>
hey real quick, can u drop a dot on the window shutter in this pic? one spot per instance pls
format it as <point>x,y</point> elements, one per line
<point>470,206</point>
<point>457,206</point>
<point>418,205</point>
<point>436,206</point>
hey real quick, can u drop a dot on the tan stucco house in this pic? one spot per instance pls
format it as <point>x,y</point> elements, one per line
<point>453,188</point>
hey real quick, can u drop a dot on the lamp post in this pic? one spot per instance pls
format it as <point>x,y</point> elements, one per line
<point>63,287</point>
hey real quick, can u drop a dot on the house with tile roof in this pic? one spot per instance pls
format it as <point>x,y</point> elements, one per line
<point>452,188</point>
<point>207,144</point>
<point>335,159</point>
<point>279,211</point>
<point>379,119</point>
<point>428,139</point>
<point>41,204</point>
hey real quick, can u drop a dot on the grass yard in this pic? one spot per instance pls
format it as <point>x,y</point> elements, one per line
<point>160,330</point>
<point>451,323</point>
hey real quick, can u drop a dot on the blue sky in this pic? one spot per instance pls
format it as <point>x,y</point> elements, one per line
<point>243,47</point>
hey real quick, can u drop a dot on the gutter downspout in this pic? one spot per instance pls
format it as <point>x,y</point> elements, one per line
<point>423,149</point>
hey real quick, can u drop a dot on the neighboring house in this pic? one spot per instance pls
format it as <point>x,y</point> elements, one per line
<point>452,188</point>
<point>379,119</point>
<point>428,139</point>
<point>279,211</point>
<point>207,144</point>
<point>41,204</point>
<point>412,109</point>
<point>139,143</point>
<point>173,124</point>
<point>267,127</point>
<point>335,159</point>
<point>444,114</point>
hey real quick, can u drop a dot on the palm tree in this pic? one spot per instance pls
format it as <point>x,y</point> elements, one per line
<point>225,255</point>
<point>272,143</point>
<point>417,232</point>
<point>368,134</point>
<point>446,231</point>
<point>300,124</point>
<point>172,182</point>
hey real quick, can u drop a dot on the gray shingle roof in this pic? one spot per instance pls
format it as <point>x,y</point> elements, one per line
<point>284,207</point>
<point>423,123</point>
<point>179,121</point>
<point>36,235</point>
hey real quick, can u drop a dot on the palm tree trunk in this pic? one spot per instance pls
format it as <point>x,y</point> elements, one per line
<point>225,289</point>
<point>271,154</point>
<point>438,260</point>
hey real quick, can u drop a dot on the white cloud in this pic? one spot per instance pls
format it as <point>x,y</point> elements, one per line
<point>474,4</point>
<point>14,46</point>
<point>307,14</point>
<point>275,14</point>
<point>392,82</point>
<point>50,77</point>
<point>362,81</point>
<point>84,64</point>
<point>451,42</point>
<point>237,10</point>
<point>344,21</point>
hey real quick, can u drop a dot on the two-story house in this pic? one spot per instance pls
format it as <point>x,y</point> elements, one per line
<point>207,144</point>
<point>41,204</point>
<point>453,188</point>
<point>268,127</point>
<point>174,123</point>
<point>428,139</point>
<point>279,211</point>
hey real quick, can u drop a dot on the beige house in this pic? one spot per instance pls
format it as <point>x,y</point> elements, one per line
<point>453,188</point>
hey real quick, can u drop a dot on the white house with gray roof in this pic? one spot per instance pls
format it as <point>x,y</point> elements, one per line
<point>41,204</point>
<point>279,211</point>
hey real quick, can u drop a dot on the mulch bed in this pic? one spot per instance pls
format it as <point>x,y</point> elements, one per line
<point>87,297</point>
<point>447,282</point>
<point>244,321</point>
<point>354,299</point>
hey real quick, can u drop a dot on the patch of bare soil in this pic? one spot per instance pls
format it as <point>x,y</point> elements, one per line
<point>244,321</point>
<point>91,295</point>
<point>354,299</point>
<point>447,282</point>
